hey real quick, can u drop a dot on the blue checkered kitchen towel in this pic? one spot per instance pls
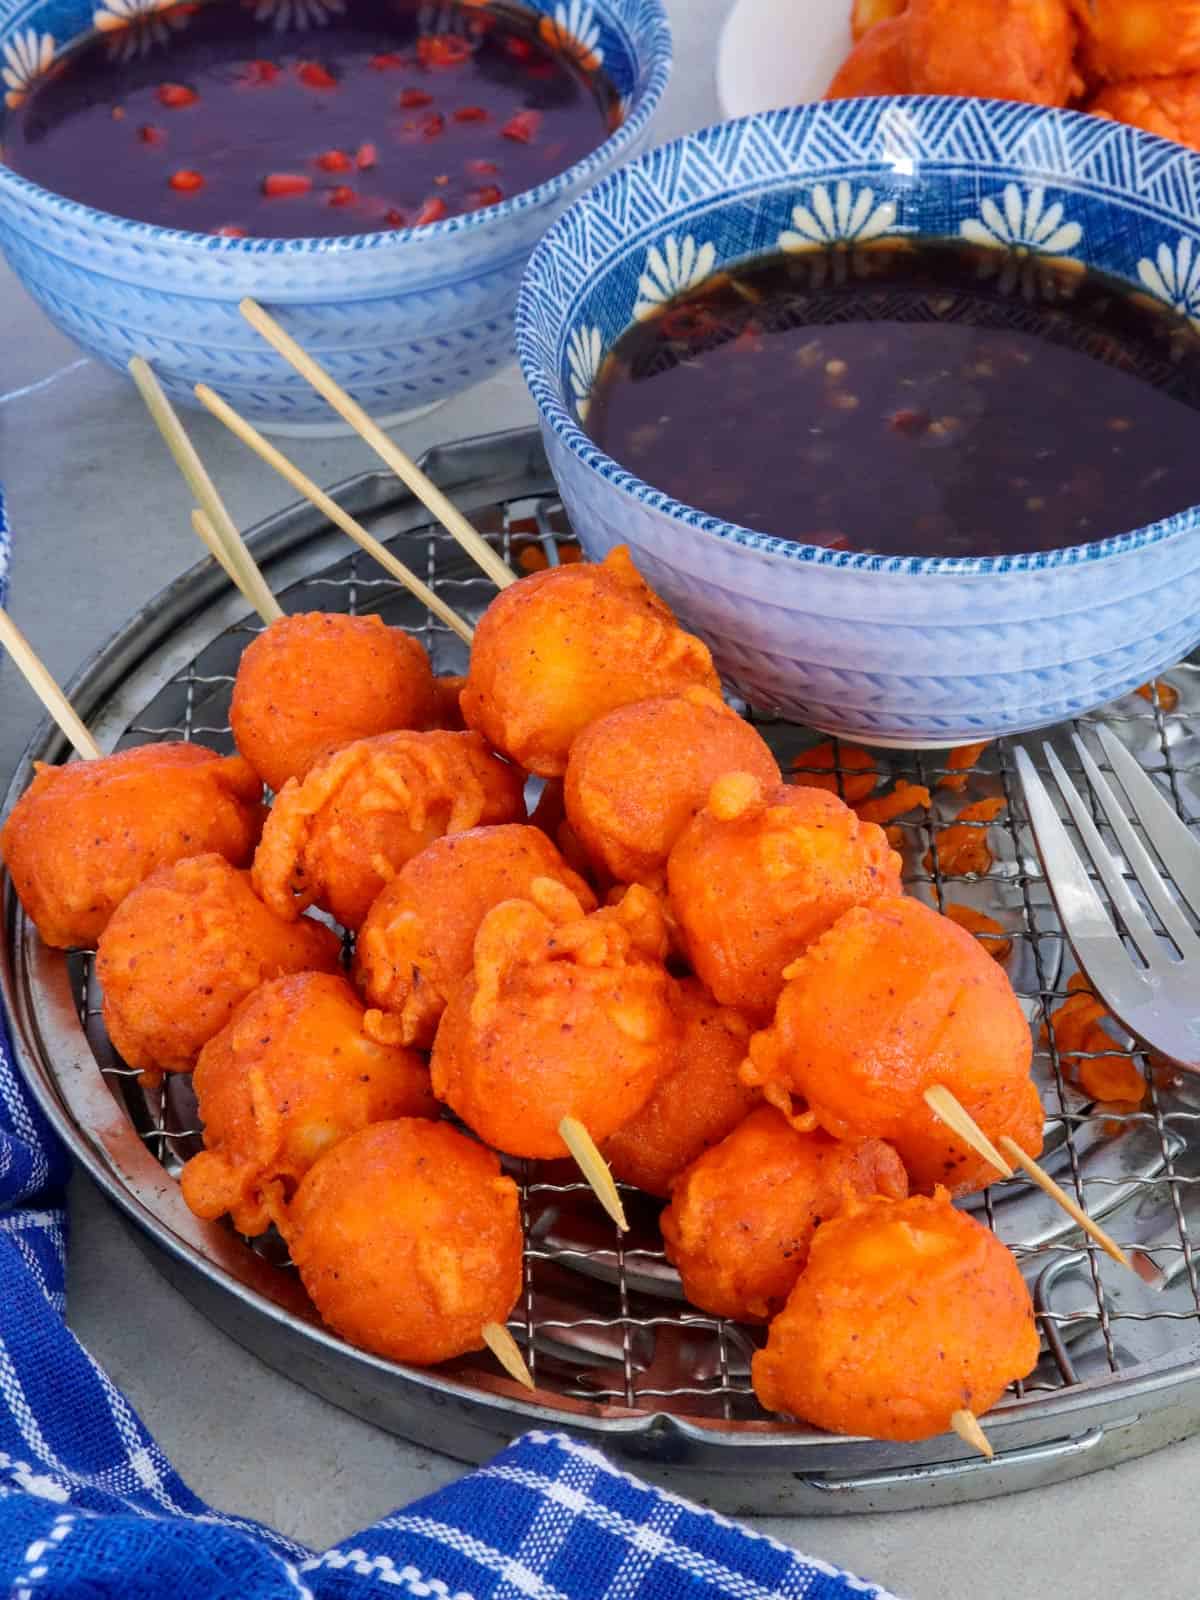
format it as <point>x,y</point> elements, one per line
<point>91,1508</point>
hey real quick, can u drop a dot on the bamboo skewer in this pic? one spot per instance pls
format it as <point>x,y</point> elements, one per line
<point>210,539</point>
<point>190,465</point>
<point>944,1106</point>
<point>27,663</point>
<point>507,1352</point>
<point>1047,1184</point>
<point>594,1168</point>
<point>266,451</point>
<point>966,1426</point>
<point>390,453</point>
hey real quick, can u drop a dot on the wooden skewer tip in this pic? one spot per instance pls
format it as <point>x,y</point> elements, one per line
<point>594,1168</point>
<point>507,1352</point>
<point>1048,1186</point>
<point>945,1106</point>
<point>966,1426</point>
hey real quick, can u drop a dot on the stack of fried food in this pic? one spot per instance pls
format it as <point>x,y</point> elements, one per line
<point>710,971</point>
<point>1137,61</point>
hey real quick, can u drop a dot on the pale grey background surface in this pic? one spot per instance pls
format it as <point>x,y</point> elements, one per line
<point>100,521</point>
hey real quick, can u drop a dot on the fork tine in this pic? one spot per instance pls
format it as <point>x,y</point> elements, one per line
<point>1083,914</point>
<point>1140,931</point>
<point>1177,846</point>
<point>1148,877</point>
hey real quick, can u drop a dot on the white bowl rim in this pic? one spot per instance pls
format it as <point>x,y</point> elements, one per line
<point>555,415</point>
<point>659,62</point>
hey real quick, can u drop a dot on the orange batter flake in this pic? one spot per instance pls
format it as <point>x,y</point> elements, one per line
<point>742,1217</point>
<point>312,682</point>
<point>897,802</point>
<point>996,942</point>
<point>962,847</point>
<point>907,1312</point>
<point>1159,691</point>
<point>560,648</point>
<point>408,1239</point>
<point>1084,1047</point>
<point>416,945</point>
<point>82,836</point>
<point>842,769</point>
<point>958,761</point>
<point>565,1014</point>
<point>338,836</point>
<point>760,873</point>
<point>184,949</point>
<point>892,1000</point>
<point>293,1072</point>
<point>699,1101</point>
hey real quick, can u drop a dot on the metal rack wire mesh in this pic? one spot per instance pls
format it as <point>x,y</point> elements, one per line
<point>602,1318</point>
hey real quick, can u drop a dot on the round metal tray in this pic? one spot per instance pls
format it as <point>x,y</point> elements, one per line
<point>619,1357</point>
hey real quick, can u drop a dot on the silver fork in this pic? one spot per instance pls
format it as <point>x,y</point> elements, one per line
<point>1160,1001</point>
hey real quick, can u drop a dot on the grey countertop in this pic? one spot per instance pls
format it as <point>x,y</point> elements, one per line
<point>100,522</point>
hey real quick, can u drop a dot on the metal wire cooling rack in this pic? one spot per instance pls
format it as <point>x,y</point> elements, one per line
<point>616,1352</point>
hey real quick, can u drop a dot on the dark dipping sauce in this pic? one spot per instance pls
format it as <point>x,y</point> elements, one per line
<point>935,399</point>
<point>392,114</point>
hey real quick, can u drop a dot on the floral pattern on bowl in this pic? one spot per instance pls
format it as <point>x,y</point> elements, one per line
<point>912,651</point>
<point>402,319</point>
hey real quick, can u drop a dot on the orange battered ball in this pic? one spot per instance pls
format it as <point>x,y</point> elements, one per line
<point>1169,107</point>
<point>906,1313</point>
<point>878,64</point>
<point>1139,38</point>
<point>760,873</point>
<point>82,836</point>
<point>312,682</point>
<point>564,1015</point>
<point>184,949</point>
<point>742,1218</point>
<point>696,1104</point>
<point>1000,49</point>
<point>408,1240</point>
<point>416,944</point>
<point>892,1000</point>
<point>334,838</point>
<point>293,1072</point>
<point>636,777</point>
<point>558,649</point>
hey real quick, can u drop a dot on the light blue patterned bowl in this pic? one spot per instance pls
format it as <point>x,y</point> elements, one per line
<point>402,319</point>
<point>916,652</point>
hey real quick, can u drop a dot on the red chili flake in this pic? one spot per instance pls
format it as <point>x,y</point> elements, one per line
<point>908,422</point>
<point>482,169</point>
<point>519,49</point>
<point>316,76</point>
<point>118,113</point>
<point>433,210</point>
<point>343,195</point>
<point>255,72</point>
<point>471,114</point>
<point>491,195</point>
<point>334,161</point>
<point>437,50</point>
<point>279,184</point>
<point>442,180</point>
<point>176,95</point>
<point>149,134</point>
<point>433,126</point>
<point>523,128</point>
<point>413,99</point>
<point>387,61</point>
<point>231,231</point>
<point>367,157</point>
<point>396,219</point>
<point>186,181</point>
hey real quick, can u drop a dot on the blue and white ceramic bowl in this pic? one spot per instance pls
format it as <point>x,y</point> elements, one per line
<point>921,652</point>
<point>402,319</point>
